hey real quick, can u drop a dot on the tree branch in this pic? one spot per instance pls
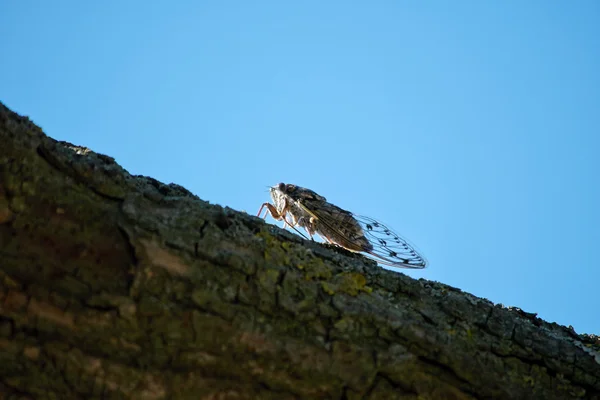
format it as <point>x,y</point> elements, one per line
<point>113,285</point>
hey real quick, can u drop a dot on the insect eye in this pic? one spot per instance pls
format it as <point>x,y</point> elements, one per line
<point>281,187</point>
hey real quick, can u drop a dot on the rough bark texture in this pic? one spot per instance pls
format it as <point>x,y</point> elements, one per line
<point>118,286</point>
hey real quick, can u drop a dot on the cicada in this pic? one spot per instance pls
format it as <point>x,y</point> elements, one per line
<point>300,207</point>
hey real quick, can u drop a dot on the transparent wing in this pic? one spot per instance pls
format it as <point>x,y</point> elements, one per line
<point>364,234</point>
<point>389,248</point>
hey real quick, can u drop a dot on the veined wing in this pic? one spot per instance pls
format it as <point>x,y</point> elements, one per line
<point>364,234</point>
<point>389,248</point>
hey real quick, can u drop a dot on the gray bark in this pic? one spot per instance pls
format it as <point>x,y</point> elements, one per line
<point>119,286</point>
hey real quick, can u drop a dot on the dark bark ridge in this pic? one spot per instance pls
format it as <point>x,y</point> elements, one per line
<point>113,285</point>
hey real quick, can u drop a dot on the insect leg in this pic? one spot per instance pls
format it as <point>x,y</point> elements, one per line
<point>309,231</point>
<point>295,222</point>
<point>308,227</point>
<point>287,223</point>
<point>270,209</point>
<point>279,216</point>
<point>326,238</point>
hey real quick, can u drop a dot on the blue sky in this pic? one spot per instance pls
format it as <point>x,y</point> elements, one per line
<point>472,128</point>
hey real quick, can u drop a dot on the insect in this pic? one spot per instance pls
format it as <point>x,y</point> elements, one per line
<point>300,207</point>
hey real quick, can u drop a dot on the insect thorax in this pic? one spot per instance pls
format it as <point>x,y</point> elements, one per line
<point>286,205</point>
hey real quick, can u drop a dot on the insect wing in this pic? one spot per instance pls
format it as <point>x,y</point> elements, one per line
<point>365,234</point>
<point>389,248</point>
<point>336,225</point>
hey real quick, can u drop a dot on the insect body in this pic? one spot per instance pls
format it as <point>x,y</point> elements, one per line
<point>298,206</point>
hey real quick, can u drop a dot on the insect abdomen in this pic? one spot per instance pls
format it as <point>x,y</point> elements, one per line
<point>347,233</point>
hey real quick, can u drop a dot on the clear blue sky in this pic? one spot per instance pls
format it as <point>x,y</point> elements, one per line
<point>470,127</point>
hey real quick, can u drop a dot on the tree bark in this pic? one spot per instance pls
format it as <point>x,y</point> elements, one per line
<point>119,286</point>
